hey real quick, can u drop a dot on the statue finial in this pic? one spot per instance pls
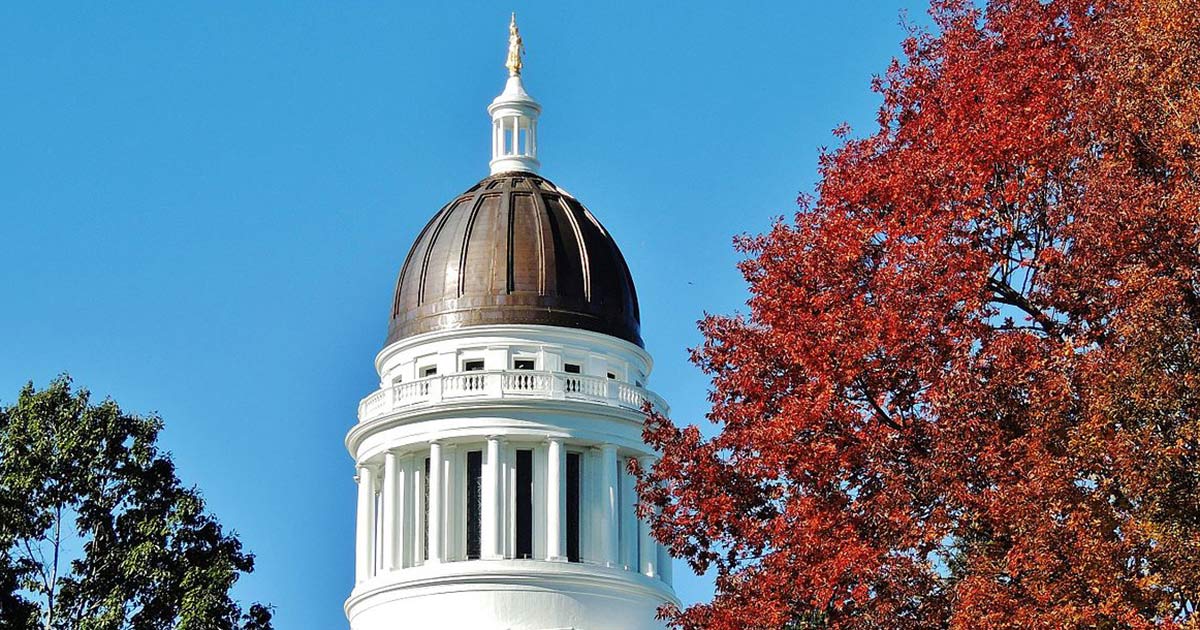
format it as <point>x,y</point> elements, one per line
<point>516,48</point>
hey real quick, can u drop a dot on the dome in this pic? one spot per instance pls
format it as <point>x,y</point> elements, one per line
<point>515,249</point>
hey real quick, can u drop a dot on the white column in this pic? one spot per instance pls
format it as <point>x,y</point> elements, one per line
<point>556,463</point>
<point>365,534</point>
<point>664,565</point>
<point>435,503</point>
<point>508,498</point>
<point>391,496</point>
<point>404,510</point>
<point>647,546</point>
<point>450,513</point>
<point>609,515</point>
<point>590,505</point>
<point>538,501</point>
<point>489,518</point>
<point>627,510</point>
<point>516,136</point>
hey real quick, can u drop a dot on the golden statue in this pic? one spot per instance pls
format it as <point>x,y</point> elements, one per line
<point>516,48</point>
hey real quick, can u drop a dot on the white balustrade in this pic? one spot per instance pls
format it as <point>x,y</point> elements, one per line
<point>630,396</point>
<point>591,387</point>
<point>506,384</point>
<point>372,405</point>
<point>464,384</point>
<point>526,382</point>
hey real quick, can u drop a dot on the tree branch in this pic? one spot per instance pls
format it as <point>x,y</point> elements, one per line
<point>882,415</point>
<point>1005,294</point>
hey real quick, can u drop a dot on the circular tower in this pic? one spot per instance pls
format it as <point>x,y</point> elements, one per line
<point>493,489</point>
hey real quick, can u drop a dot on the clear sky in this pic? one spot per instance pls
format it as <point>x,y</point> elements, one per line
<point>203,206</point>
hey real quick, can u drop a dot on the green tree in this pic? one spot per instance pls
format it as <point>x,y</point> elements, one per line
<point>97,532</point>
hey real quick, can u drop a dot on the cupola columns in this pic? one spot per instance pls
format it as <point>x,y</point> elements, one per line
<point>514,115</point>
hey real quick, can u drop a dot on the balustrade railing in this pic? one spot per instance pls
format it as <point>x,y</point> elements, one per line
<point>506,384</point>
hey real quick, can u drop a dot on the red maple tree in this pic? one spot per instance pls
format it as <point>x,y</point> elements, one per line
<point>967,390</point>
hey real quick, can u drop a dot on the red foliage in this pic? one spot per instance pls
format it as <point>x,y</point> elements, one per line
<point>967,392</point>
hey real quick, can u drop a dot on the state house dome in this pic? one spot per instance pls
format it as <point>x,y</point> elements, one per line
<point>515,249</point>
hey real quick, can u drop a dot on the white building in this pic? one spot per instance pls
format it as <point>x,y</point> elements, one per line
<point>492,461</point>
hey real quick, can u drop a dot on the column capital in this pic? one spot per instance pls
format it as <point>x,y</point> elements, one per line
<point>361,471</point>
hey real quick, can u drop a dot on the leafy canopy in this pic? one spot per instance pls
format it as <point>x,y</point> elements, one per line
<point>96,532</point>
<point>967,390</point>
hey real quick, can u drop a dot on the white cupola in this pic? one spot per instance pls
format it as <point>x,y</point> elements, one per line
<point>493,457</point>
<point>514,116</point>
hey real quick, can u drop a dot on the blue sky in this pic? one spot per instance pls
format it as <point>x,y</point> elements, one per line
<point>203,207</point>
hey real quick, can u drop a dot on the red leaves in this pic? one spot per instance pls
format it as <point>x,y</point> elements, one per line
<point>967,394</point>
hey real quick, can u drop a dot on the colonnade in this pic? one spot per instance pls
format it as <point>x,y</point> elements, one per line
<point>492,498</point>
<point>507,137</point>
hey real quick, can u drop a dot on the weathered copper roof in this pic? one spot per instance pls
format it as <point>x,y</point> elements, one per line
<point>515,249</point>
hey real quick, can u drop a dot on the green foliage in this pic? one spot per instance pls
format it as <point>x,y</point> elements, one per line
<point>96,531</point>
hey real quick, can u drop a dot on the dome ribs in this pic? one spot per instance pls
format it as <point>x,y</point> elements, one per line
<point>515,249</point>
<point>440,279</point>
<point>445,215</point>
<point>523,277</point>
<point>397,303</point>
<point>544,241</point>
<point>568,268</point>
<point>474,259</point>
<point>584,262</point>
<point>540,241</point>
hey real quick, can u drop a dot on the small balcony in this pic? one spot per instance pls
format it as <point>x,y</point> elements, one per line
<point>506,384</point>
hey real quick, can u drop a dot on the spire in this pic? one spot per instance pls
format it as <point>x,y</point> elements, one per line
<point>514,115</point>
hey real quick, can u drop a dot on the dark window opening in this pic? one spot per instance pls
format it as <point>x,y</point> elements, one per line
<point>573,507</point>
<point>429,370</point>
<point>612,376</point>
<point>572,383</point>
<point>474,499</point>
<point>474,365</point>
<point>524,504</point>
<point>523,364</point>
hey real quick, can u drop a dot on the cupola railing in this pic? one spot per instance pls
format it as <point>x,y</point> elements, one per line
<point>499,384</point>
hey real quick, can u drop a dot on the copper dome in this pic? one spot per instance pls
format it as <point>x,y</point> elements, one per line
<point>515,249</point>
